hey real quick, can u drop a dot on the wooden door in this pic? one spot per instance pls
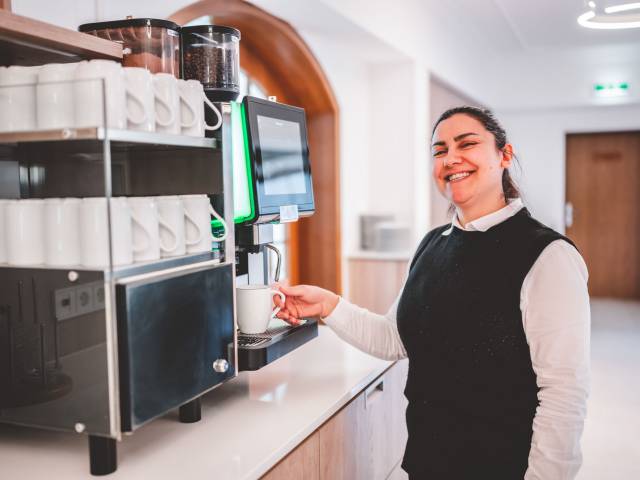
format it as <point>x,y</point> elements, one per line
<point>603,174</point>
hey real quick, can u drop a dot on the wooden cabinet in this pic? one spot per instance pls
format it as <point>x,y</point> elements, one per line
<point>302,463</point>
<point>365,440</point>
<point>375,284</point>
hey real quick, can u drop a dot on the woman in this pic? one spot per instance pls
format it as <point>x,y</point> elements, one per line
<point>494,318</point>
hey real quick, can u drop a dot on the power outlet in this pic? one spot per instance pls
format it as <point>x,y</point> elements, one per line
<point>66,304</point>
<point>84,299</point>
<point>98,295</point>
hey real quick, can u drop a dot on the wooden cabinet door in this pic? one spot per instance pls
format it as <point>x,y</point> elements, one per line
<point>385,407</point>
<point>366,439</point>
<point>301,463</point>
<point>342,456</point>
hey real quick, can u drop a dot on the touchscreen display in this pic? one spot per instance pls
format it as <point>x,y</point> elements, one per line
<point>282,156</point>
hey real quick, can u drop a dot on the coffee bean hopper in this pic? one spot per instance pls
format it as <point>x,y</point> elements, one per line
<point>211,55</point>
<point>146,42</point>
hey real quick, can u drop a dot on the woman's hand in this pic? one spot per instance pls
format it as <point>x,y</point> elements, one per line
<point>305,301</point>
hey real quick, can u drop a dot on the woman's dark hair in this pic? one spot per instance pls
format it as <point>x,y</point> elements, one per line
<point>489,121</point>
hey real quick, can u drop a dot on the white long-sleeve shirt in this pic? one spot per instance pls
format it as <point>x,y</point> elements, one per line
<point>556,317</point>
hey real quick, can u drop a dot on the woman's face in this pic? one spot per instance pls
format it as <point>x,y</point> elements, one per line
<point>467,165</point>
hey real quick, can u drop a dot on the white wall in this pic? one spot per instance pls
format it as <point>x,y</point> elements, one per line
<point>539,140</point>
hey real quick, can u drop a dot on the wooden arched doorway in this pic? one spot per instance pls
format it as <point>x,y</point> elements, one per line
<point>273,53</point>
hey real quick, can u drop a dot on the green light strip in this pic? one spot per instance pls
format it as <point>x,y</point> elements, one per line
<point>243,201</point>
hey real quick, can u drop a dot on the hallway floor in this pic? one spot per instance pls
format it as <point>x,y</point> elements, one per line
<point>611,440</point>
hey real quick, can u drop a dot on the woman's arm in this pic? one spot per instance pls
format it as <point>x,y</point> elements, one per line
<point>372,333</point>
<point>557,323</point>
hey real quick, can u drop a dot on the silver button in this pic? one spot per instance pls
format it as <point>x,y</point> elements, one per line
<point>221,365</point>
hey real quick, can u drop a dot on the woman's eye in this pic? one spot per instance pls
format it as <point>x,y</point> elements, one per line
<point>468,144</point>
<point>438,153</point>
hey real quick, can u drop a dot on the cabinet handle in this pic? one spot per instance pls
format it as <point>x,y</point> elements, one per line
<point>378,386</point>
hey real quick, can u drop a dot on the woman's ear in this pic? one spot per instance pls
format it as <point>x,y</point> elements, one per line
<point>507,156</point>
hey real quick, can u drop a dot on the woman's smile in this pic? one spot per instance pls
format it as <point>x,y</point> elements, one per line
<point>458,176</point>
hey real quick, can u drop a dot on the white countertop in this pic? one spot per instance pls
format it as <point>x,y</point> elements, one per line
<point>248,424</point>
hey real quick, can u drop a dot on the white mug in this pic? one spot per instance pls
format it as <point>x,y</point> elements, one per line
<point>167,103</point>
<point>255,307</point>
<point>62,227</point>
<point>192,102</point>
<point>91,97</point>
<point>18,98</point>
<point>140,99</point>
<point>94,227</point>
<point>3,229</point>
<point>147,243</point>
<point>24,232</point>
<point>171,218</point>
<point>198,212</point>
<point>55,96</point>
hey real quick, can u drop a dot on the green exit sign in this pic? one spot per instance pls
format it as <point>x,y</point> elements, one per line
<point>613,89</point>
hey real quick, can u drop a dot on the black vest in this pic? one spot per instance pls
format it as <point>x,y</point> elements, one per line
<point>471,387</point>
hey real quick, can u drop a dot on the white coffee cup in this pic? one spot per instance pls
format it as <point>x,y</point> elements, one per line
<point>140,99</point>
<point>94,227</point>
<point>18,98</point>
<point>3,230</point>
<point>192,102</point>
<point>255,307</point>
<point>167,103</point>
<point>55,96</point>
<point>90,100</point>
<point>198,212</point>
<point>171,217</point>
<point>147,243</point>
<point>62,227</point>
<point>24,232</point>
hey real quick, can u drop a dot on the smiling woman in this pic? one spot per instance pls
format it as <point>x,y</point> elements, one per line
<point>494,318</point>
<point>488,146</point>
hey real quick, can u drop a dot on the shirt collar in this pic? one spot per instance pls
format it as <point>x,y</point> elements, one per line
<point>484,223</point>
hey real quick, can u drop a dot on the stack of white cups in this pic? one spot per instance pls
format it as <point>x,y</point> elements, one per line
<point>62,232</point>
<point>98,93</point>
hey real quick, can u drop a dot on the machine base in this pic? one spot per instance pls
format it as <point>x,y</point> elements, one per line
<point>190,412</point>
<point>103,455</point>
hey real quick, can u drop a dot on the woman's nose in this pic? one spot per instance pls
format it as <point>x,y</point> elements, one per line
<point>451,159</point>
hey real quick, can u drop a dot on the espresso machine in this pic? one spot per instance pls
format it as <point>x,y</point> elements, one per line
<point>102,351</point>
<point>272,184</point>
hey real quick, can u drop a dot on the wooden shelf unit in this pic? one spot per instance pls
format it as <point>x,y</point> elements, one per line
<point>24,41</point>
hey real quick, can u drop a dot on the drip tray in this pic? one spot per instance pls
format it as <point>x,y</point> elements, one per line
<point>257,350</point>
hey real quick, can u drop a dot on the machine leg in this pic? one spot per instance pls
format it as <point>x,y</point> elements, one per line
<point>103,455</point>
<point>191,412</point>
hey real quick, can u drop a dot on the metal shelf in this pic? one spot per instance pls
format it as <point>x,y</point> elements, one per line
<point>129,137</point>
<point>133,269</point>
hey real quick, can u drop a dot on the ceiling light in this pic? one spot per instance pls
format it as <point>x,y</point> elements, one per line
<point>608,21</point>
<point>622,8</point>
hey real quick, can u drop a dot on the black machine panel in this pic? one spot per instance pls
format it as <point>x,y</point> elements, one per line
<point>170,331</point>
<point>53,354</point>
<point>279,158</point>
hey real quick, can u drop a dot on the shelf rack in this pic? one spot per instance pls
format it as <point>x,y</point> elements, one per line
<point>25,41</point>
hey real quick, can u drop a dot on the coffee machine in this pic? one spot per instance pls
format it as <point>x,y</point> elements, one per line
<point>272,184</point>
